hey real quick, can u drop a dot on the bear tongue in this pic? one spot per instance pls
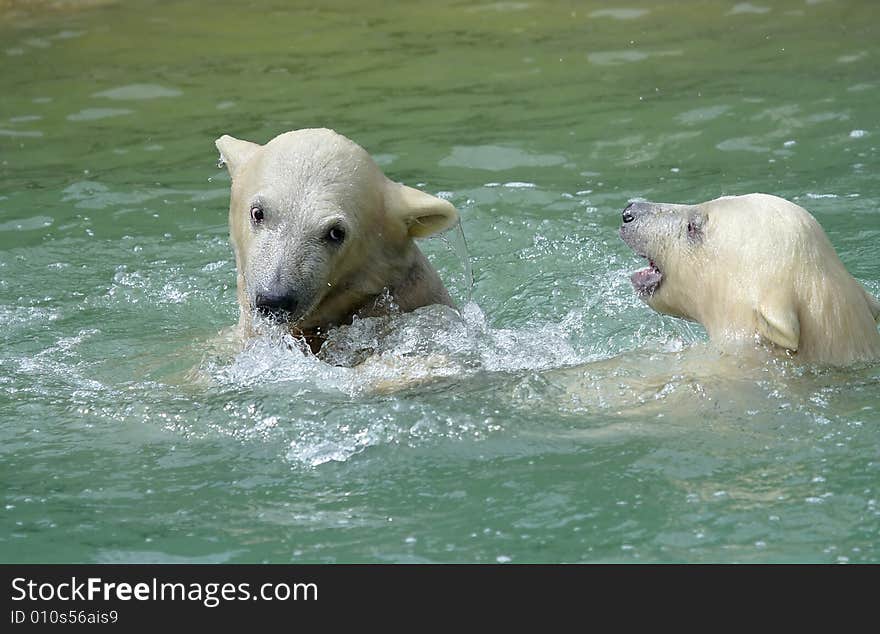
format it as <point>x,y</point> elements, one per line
<point>647,280</point>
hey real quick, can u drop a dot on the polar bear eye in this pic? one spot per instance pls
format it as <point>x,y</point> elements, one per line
<point>336,234</point>
<point>256,214</point>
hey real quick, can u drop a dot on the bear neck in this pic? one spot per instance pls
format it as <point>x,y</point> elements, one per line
<point>418,283</point>
<point>837,326</point>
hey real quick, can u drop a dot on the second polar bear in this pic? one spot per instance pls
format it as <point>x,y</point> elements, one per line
<point>753,265</point>
<point>321,235</point>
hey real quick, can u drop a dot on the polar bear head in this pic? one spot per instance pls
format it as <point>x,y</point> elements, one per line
<point>754,264</point>
<point>318,230</point>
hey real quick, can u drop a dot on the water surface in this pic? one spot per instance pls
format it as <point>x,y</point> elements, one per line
<point>565,422</point>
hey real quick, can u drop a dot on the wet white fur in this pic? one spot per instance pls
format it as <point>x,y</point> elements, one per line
<point>307,180</point>
<point>763,266</point>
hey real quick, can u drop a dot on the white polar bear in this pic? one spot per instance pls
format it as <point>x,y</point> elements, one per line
<point>753,265</point>
<point>321,235</point>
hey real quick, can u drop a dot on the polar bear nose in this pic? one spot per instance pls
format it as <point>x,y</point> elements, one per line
<point>275,304</point>
<point>627,213</point>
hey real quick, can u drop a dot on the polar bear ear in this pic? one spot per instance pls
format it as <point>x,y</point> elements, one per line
<point>234,152</point>
<point>423,214</point>
<point>873,305</point>
<point>778,323</point>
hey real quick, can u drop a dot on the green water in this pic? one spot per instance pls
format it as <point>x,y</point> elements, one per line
<point>539,121</point>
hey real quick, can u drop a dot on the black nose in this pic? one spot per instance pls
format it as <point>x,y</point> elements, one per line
<point>275,304</point>
<point>627,214</point>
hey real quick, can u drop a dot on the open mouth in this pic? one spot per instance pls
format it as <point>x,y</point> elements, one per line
<point>646,281</point>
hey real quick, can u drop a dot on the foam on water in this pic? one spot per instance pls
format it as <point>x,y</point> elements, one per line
<point>497,158</point>
<point>392,353</point>
<point>13,318</point>
<point>401,360</point>
<point>614,58</point>
<point>94,114</point>
<point>747,7</point>
<point>35,134</point>
<point>138,92</point>
<point>390,358</point>
<point>620,13</point>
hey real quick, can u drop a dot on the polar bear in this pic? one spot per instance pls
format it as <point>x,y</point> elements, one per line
<point>321,235</point>
<point>753,265</point>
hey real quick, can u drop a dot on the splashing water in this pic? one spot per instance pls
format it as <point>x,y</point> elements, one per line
<point>553,417</point>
